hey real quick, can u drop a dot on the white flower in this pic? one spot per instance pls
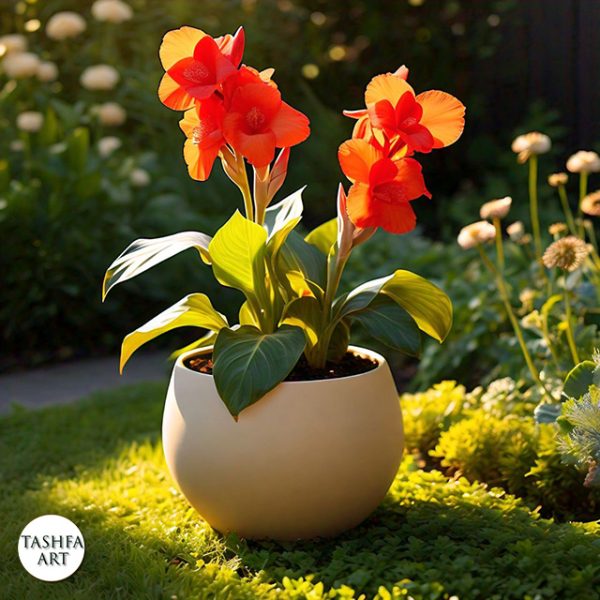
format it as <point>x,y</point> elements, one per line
<point>496,208</point>
<point>107,145</point>
<point>13,42</point>
<point>66,24</point>
<point>529,144</point>
<point>516,231</point>
<point>476,233</point>
<point>30,121</point>
<point>111,114</point>
<point>112,11</point>
<point>99,77</point>
<point>139,178</point>
<point>20,65</point>
<point>584,162</point>
<point>17,146</point>
<point>47,71</point>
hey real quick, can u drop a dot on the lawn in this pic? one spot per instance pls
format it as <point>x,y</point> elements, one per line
<point>100,463</point>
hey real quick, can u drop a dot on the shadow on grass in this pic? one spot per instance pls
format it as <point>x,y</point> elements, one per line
<point>100,464</point>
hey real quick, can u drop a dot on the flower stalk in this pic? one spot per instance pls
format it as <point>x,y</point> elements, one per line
<point>533,206</point>
<point>513,319</point>
<point>570,333</point>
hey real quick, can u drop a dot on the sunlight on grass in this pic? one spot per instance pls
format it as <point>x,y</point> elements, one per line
<point>100,463</point>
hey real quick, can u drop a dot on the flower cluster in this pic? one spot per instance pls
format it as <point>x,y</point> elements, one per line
<point>378,160</point>
<point>225,104</point>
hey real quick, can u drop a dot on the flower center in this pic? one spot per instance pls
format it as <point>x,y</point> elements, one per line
<point>391,192</point>
<point>409,122</point>
<point>197,72</point>
<point>255,118</point>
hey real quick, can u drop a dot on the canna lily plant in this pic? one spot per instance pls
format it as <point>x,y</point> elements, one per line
<point>234,113</point>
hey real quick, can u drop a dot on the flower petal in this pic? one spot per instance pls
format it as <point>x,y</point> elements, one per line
<point>171,94</point>
<point>290,126</point>
<point>178,44</point>
<point>358,205</point>
<point>233,46</point>
<point>443,115</point>
<point>411,176</point>
<point>258,148</point>
<point>394,218</point>
<point>356,158</point>
<point>386,87</point>
<point>199,160</point>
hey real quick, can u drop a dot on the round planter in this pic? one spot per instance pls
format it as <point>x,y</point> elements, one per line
<point>310,459</point>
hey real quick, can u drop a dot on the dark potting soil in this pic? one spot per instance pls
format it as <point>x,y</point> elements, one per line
<point>351,364</point>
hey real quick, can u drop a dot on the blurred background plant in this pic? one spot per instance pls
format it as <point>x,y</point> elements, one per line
<point>91,160</point>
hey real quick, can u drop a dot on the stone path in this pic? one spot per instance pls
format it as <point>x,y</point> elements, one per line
<point>68,382</point>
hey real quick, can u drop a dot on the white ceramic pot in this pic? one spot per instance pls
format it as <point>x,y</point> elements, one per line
<point>310,459</point>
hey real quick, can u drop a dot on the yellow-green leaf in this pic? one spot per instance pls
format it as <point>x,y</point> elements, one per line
<point>427,304</point>
<point>324,236</point>
<point>194,310</point>
<point>304,313</point>
<point>237,252</point>
<point>143,254</point>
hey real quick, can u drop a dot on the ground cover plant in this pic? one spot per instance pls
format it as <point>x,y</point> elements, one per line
<point>100,463</point>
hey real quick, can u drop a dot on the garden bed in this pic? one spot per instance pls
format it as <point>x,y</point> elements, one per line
<point>100,463</point>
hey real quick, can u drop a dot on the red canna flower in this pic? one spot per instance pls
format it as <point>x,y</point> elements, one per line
<point>420,123</point>
<point>258,121</point>
<point>196,65</point>
<point>382,188</point>
<point>203,126</point>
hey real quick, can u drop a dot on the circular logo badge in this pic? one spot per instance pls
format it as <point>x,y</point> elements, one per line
<point>51,548</point>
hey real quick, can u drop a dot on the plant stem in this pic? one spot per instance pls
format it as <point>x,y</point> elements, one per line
<point>261,198</point>
<point>570,335</point>
<point>244,186</point>
<point>546,334</point>
<point>562,192</point>
<point>514,322</point>
<point>318,356</point>
<point>533,206</point>
<point>499,245</point>
<point>583,185</point>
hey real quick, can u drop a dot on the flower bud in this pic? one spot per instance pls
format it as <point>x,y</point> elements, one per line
<point>99,77</point>
<point>64,25</point>
<point>475,234</point>
<point>30,121</point>
<point>111,11</point>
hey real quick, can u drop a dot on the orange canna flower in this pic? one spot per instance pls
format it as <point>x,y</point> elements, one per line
<point>382,188</point>
<point>258,121</point>
<point>420,122</point>
<point>203,127</point>
<point>196,65</point>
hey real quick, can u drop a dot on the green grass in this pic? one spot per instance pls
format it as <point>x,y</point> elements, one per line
<point>100,463</point>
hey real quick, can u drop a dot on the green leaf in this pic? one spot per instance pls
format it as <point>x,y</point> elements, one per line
<point>338,344</point>
<point>194,310</point>
<point>248,363</point>
<point>391,325</point>
<point>581,378</point>
<point>237,252</point>
<point>144,254</point>
<point>429,306</point>
<point>324,236</point>
<point>279,215</point>
<point>304,313</point>
<point>78,146</point>
<point>297,255</point>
